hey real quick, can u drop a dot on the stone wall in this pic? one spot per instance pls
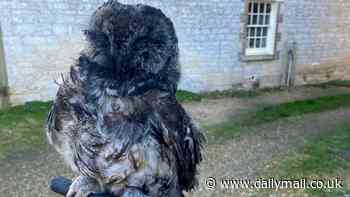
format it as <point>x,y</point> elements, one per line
<point>208,32</point>
<point>42,38</point>
<point>320,31</point>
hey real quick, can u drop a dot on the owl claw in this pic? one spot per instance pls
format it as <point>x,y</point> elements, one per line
<point>83,187</point>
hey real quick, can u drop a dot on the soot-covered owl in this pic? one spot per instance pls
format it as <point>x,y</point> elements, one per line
<point>115,118</point>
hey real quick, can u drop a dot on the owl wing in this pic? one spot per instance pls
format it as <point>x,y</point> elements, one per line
<point>71,129</point>
<point>184,139</point>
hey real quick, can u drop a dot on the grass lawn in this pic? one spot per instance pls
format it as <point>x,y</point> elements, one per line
<point>186,96</point>
<point>295,108</point>
<point>339,83</point>
<point>22,128</point>
<point>271,113</point>
<point>319,160</point>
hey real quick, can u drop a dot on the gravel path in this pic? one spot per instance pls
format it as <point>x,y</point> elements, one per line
<point>246,156</point>
<point>29,176</point>
<point>209,112</point>
<point>243,157</point>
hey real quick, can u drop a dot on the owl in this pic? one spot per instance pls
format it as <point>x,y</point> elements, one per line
<point>115,118</point>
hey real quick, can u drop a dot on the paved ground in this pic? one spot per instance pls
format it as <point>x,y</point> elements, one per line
<point>244,157</point>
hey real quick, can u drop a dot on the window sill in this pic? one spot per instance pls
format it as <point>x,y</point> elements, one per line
<point>249,58</point>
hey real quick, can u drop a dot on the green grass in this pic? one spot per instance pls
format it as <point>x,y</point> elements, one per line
<point>233,128</point>
<point>338,83</point>
<point>319,160</point>
<point>296,108</point>
<point>343,83</point>
<point>232,94</point>
<point>186,96</point>
<point>22,127</point>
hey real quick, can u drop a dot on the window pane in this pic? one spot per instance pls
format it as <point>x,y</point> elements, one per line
<point>267,20</point>
<point>252,32</point>
<point>262,8</point>
<point>261,19</point>
<point>256,5</point>
<point>264,31</point>
<point>255,18</point>
<point>251,43</point>
<point>263,42</point>
<point>248,32</point>
<point>257,44</point>
<point>268,8</point>
<point>258,31</point>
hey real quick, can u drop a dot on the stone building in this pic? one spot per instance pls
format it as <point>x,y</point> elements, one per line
<point>223,43</point>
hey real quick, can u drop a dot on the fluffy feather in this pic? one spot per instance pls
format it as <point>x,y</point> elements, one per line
<point>115,118</point>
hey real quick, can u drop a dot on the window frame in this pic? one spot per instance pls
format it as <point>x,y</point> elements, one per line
<point>270,51</point>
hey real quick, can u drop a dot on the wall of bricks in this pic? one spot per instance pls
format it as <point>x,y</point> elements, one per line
<point>320,31</point>
<point>42,38</point>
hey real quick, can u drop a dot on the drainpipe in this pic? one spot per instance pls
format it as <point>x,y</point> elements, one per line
<point>4,95</point>
<point>290,65</point>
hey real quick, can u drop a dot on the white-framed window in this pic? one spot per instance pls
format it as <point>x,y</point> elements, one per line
<point>261,27</point>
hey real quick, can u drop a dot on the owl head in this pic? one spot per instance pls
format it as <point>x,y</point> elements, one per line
<point>133,40</point>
